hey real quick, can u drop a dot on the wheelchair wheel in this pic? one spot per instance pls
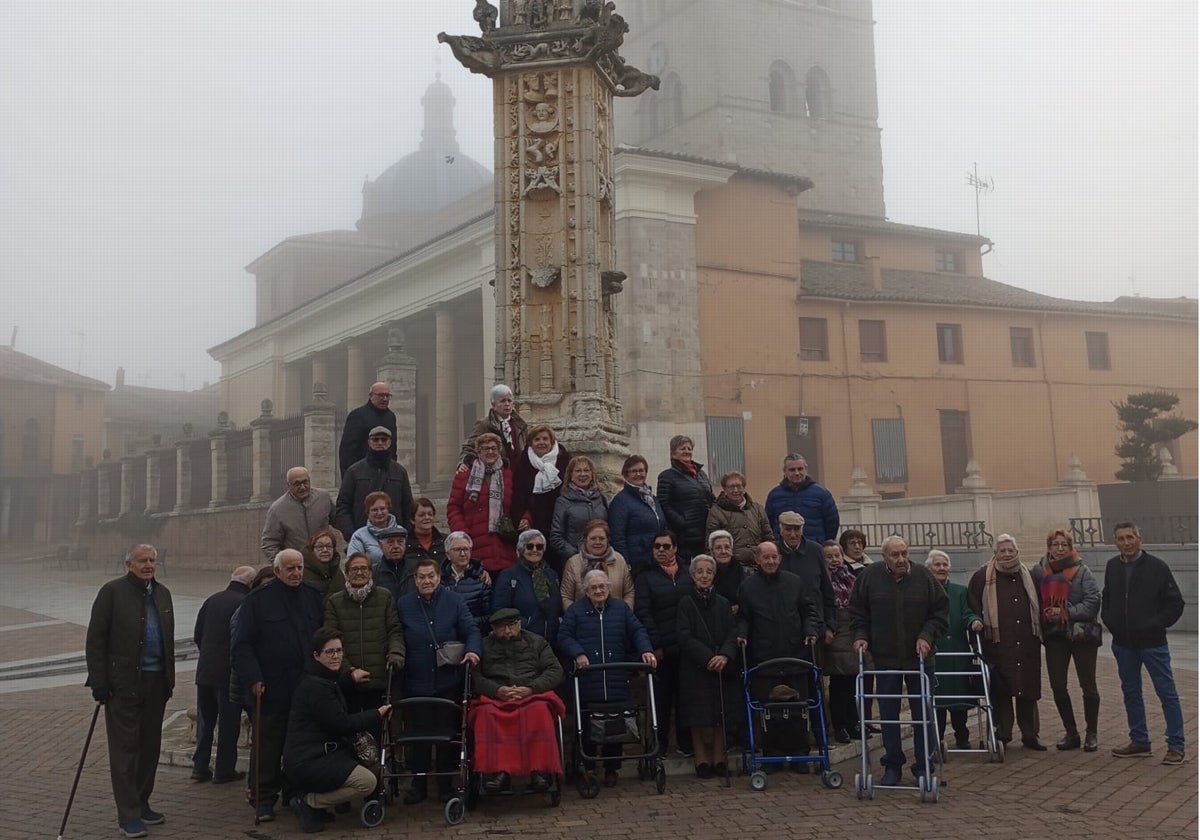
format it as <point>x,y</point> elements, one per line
<point>589,786</point>
<point>660,777</point>
<point>758,780</point>
<point>455,810</point>
<point>832,779</point>
<point>372,813</point>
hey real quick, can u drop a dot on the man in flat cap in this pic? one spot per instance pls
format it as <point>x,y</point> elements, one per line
<point>394,572</point>
<point>376,472</point>
<point>513,718</point>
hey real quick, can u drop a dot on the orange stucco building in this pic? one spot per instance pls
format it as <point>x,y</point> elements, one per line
<point>893,352</point>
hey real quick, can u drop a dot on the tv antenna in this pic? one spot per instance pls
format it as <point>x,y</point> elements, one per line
<point>981,184</point>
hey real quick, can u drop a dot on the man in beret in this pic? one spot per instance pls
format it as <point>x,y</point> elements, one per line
<point>513,719</point>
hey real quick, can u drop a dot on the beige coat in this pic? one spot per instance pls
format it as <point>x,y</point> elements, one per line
<point>620,580</point>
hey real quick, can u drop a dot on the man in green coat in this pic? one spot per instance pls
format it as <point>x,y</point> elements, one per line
<point>131,671</point>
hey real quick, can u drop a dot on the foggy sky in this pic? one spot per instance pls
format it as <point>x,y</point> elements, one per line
<point>150,150</point>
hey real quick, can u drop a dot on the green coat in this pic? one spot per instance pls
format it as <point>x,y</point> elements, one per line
<point>955,640</point>
<point>526,660</point>
<point>327,577</point>
<point>116,635</point>
<point>370,631</point>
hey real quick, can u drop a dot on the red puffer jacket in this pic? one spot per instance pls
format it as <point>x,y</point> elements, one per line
<point>472,517</point>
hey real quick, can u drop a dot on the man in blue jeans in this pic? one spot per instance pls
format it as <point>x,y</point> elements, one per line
<point>898,611</point>
<point>1140,601</point>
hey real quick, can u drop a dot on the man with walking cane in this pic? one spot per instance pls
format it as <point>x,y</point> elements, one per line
<point>272,641</point>
<point>131,671</point>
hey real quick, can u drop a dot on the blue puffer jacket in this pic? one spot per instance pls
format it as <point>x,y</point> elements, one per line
<point>633,524</point>
<point>810,500</point>
<point>514,588</point>
<point>471,588</point>
<point>427,623</point>
<point>366,541</point>
<point>611,634</point>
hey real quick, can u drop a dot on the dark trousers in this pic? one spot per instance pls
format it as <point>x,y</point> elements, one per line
<point>216,712</point>
<point>843,711</point>
<point>666,703</point>
<point>1026,716</point>
<point>272,731</point>
<point>958,721</point>
<point>1059,653</point>
<point>889,709</point>
<point>134,727</point>
<point>782,735</point>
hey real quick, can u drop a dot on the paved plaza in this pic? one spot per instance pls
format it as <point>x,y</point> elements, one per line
<point>43,721</point>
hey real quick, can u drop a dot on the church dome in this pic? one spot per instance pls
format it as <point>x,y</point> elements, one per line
<point>435,175</point>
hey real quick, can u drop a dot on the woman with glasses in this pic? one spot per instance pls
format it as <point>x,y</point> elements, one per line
<point>596,553</point>
<point>531,587</point>
<point>373,639</point>
<point>578,504</point>
<point>635,515</point>
<point>1070,607</point>
<point>323,563</point>
<point>317,753</point>
<point>379,518</point>
<point>464,574</point>
<point>480,497</point>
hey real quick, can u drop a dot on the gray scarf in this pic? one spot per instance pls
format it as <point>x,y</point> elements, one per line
<point>359,595</point>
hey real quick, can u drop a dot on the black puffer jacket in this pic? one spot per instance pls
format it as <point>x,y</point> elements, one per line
<point>317,753</point>
<point>471,588</point>
<point>656,602</point>
<point>775,614</point>
<point>685,500</point>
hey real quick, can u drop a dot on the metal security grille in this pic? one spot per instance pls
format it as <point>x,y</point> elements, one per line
<point>726,446</point>
<point>891,452</point>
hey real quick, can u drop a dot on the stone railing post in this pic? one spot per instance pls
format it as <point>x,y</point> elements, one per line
<point>320,440</point>
<point>183,470</point>
<point>127,479</point>
<point>220,462</point>
<point>154,480</point>
<point>862,498</point>
<point>103,493</point>
<point>399,371</point>
<point>1087,497</point>
<point>976,486</point>
<point>87,487</point>
<point>261,453</point>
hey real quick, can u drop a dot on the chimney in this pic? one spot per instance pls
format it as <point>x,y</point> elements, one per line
<point>120,377</point>
<point>875,274</point>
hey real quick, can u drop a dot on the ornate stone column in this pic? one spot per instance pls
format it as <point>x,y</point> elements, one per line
<point>399,371</point>
<point>320,441</point>
<point>447,429</point>
<point>320,372</point>
<point>358,373</point>
<point>261,453</point>
<point>555,69</point>
<point>220,462</point>
<point>154,479</point>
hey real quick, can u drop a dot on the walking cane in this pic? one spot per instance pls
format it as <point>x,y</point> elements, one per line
<point>724,730</point>
<point>257,751</point>
<point>79,771</point>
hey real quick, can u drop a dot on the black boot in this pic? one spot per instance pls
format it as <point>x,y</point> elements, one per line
<point>310,822</point>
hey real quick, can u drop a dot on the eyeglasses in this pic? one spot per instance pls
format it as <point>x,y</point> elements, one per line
<point>334,652</point>
<point>1061,544</point>
<point>384,396</point>
<point>322,547</point>
<point>462,549</point>
<point>663,546</point>
<point>359,570</point>
<point>535,547</point>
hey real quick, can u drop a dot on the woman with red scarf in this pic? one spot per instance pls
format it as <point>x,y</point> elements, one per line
<point>1070,607</point>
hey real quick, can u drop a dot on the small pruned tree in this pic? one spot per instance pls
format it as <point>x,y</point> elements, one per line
<point>1147,423</point>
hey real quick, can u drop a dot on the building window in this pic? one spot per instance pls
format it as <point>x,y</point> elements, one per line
<point>891,452</point>
<point>816,93</point>
<point>845,252</point>
<point>814,340</point>
<point>76,454</point>
<point>872,341</point>
<point>949,338</point>
<point>950,261</point>
<point>1097,350</point>
<point>726,445</point>
<point>804,438</point>
<point>782,88</point>
<point>1020,339</point>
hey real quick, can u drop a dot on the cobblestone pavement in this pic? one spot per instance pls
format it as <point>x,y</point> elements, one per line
<point>1029,795</point>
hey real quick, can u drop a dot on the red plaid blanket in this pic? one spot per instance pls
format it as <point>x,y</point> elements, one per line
<point>516,737</point>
